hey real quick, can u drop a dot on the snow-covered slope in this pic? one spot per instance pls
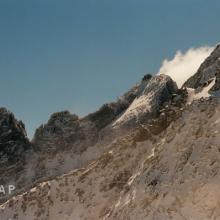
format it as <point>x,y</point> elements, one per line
<point>203,93</point>
<point>174,175</point>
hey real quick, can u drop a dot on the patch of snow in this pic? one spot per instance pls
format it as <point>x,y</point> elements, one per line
<point>129,198</point>
<point>139,105</point>
<point>217,121</point>
<point>192,95</point>
<point>133,177</point>
<point>152,154</point>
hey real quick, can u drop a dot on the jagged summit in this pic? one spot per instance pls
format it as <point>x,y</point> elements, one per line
<point>111,111</point>
<point>147,97</point>
<point>14,146</point>
<point>207,72</point>
<point>65,130</point>
<point>13,137</point>
<point>154,94</point>
<point>55,124</point>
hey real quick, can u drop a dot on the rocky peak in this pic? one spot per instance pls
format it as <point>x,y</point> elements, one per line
<point>14,146</point>
<point>13,138</point>
<point>207,72</point>
<point>153,95</point>
<point>62,128</point>
<point>147,77</point>
<point>57,124</point>
<point>162,88</point>
<point>110,111</point>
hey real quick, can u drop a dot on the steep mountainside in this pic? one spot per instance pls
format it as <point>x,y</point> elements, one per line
<point>153,154</point>
<point>68,142</point>
<point>174,175</point>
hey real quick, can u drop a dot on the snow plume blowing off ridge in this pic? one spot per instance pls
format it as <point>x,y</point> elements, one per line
<point>184,65</point>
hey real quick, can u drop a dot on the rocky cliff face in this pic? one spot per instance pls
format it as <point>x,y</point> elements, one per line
<point>208,71</point>
<point>13,147</point>
<point>13,139</point>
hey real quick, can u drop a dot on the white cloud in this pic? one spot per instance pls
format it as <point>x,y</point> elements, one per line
<point>184,65</point>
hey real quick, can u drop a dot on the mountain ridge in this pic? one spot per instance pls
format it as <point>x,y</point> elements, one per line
<point>149,155</point>
<point>68,142</point>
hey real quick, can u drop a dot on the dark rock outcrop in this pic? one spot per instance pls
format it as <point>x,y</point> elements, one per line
<point>208,70</point>
<point>63,128</point>
<point>13,138</point>
<point>161,88</point>
<point>147,77</point>
<point>14,146</point>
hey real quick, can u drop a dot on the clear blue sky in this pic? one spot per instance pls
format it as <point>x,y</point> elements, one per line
<point>79,54</point>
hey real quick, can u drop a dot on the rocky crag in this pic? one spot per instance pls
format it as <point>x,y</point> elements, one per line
<point>208,71</point>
